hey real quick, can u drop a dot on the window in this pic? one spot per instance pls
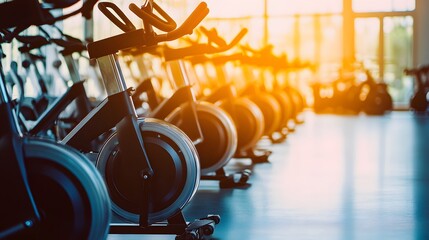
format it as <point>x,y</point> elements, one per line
<point>281,35</point>
<point>282,7</point>
<point>398,49</point>
<point>383,5</point>
<point>330,40</point>
<point>310,30</point>
<point>367,43</point>
<point>235,8</point>
<point>384,45</point>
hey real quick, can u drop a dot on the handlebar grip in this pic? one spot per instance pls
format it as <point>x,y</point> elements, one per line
<point>123,23</point>
<point>238,38</point>
<point>145,13</point>
<point>32,40</point>
<point>71,38</point>
<point>227,58</point>
<point>411,71</point>
<point>425,68</point>
<point>200,12</point>
<point>187,27</point>
<point>213,36</point>
<point>189,40</point>
<point>87,7</point>
<point>247,49</point>
<point>180,53</point>
<point>369,76</point>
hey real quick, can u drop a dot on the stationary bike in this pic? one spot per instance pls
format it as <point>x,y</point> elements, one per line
<point>219,137</point>
<point>293,94</point>
<point>247,116</point>
<point>31,107</point>
<point>255,91</point>
<point>50,191</point>
<point>375,97</point>
<point>419,102</point>
<point>269,66</point>
<point>290,100</point>
<point>150,167</point>
<point>46,114</point>
<point>340,95</point>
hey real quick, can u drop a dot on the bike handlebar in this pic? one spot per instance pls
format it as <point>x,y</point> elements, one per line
<point>31,42</point>
<point>217,60</point>
<point>264,57</point>
<point>199,49</point>
<point>425,68</point>
<point>238,37</point>
<point>123,22</point>
<point>146,14</point>
<point>85,10</point>
<point>69,46</point>
<point>213,36</point>
<point>138,38</point>
<point>416,71</point>
<point>412,71</point>
<point>265,51</point>
<point>188,26</point>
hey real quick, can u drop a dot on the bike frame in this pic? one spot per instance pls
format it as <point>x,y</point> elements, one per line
<point>75,92</point>
<point>183,97</point>
<point>118,111</point>
<point>17,201</point>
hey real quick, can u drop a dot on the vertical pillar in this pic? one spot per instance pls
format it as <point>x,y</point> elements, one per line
<point>421,33</point>
<point>348,34</point>
<point>318,39</point>
<point>381,49</point>
<point>265,41</point>
<point>297,37</point>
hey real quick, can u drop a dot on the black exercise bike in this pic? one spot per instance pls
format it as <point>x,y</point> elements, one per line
<point>50,191</point>
<point>150,167</point>
<point>419,102</point>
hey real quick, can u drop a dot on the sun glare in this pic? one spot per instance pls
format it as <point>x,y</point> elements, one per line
<point>383,5</point>
<point>235,9</point>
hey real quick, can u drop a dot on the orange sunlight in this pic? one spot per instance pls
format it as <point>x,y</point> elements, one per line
<point>383,5</point>
<point>255,8</point>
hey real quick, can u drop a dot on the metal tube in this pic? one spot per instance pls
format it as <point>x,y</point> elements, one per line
<point>73,69</point>
<point>112,75</point>
<point>177,73</point>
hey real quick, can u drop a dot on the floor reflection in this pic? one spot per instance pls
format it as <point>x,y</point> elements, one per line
<point>337,177</point>
<point>420,158</point>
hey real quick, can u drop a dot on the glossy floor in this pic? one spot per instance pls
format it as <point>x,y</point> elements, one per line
<point>336,177</point>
